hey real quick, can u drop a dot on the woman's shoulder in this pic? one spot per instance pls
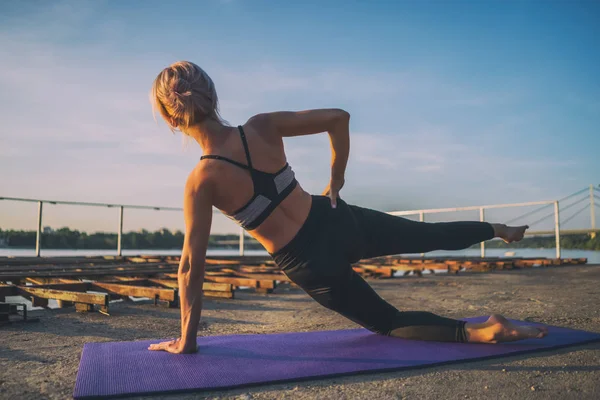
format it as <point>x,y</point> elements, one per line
<point>262,125</point>
<point>201,179</point>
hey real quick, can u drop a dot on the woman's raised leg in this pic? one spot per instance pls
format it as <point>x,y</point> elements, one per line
<point>386,234</point>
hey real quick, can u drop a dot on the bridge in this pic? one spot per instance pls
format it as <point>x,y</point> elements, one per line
<point>553,210</point>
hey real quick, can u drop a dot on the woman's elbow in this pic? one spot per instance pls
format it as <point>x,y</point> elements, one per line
<point>342,115</point>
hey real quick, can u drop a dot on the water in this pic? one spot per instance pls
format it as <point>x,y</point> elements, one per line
<point>84,253</point>
<point>592,256</point>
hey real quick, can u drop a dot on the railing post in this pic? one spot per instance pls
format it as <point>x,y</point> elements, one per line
<point>422,219</point>
<point>557,228</point>
<point>241,241</point>
<point>38,239</point>
<point>482,219</point>
<point>592,211</point>
<point>120,234</point>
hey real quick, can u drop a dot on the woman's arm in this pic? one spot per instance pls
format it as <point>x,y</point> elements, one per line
<point>197,209</point>
<point>335,122</point>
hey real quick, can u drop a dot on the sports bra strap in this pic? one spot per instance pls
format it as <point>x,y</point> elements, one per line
<point>245,143</point>
<point>214,157</point>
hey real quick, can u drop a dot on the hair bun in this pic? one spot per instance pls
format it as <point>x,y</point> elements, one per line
<point>185,94</point>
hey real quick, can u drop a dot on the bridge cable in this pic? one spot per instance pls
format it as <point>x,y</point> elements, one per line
<point>543,207</point>
<point>574,215</point>
<point>562,210</point>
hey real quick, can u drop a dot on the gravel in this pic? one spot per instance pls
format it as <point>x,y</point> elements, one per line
<point>40,360</point>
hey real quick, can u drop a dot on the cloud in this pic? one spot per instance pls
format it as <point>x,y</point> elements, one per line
<point>77,121</point>
<point>78,124</point>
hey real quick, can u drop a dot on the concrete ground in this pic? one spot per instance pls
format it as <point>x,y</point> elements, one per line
<point>40,360</point>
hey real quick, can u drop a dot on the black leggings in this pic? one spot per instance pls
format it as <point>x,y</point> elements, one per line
<point>319,260</point>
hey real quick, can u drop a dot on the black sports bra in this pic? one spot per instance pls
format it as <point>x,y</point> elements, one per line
<point>270,189</point>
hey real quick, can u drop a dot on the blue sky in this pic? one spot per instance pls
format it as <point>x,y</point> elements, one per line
<point>452,103</point>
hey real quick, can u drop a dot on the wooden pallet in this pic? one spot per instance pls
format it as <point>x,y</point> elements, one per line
<point>385,267</point>
<point>90,283</point>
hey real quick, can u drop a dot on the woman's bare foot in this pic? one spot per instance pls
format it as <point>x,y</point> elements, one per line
<point>509,233</point>
<point>498,329</point>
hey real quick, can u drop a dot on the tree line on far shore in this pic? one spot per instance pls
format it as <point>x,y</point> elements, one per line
<point>65,238</point>
<point>575,242</point>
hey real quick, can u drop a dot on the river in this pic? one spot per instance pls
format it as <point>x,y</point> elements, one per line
<point>592,256</point>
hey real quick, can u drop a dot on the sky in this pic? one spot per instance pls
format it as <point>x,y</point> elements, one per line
<point>452,103</point>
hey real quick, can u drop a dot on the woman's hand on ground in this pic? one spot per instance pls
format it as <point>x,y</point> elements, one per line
<point>333,189</point>
<point>174,346</point>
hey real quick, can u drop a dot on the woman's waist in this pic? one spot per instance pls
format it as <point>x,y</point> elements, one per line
<point>323,227</point>
<point>284,222</point>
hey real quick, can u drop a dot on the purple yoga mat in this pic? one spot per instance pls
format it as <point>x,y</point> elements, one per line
<point>128,368</point>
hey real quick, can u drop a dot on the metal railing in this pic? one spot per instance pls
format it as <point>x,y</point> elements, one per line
<point>121,207</point>
<point>482,209</point>
<point>556,213</point>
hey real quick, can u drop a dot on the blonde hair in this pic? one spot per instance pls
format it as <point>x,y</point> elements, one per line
<point>184,93</point>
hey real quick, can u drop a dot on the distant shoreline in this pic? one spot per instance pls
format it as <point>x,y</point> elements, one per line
<point>246,247</point>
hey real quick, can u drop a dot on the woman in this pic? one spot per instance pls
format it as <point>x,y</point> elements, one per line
<point>314,239</point>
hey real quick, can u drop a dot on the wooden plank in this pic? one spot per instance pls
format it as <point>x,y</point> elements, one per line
<point>245,259</point>
<point>72,287</point>
<point>229,271</point>
<point>171,283</point>
<point>136,259</point>
<point>42,281</point>
<point>117,279</point>
<point>125,280</point>
<point>234,281</point>
<point>81,274</point>
<point>258,269</point>
<point>87,267</point>
<point>221,295</point>
<point>363,272</point>
<point>255,283</point>
<point>210,286</point>
<point>82,307</point>
<point>217,287</point>
<point>135,291</point>
<point>272,277</point>
<point>378,271</point>
<point>404,267</point>
<point>64,295</point>
<point>527,263</point>
<point>264,284</point>
<point>64,303</point>
<point>8,261</point>
<point>213,261</point>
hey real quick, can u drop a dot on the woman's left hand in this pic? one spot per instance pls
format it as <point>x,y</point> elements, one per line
<point>174,346</point>
<point>333,189</point>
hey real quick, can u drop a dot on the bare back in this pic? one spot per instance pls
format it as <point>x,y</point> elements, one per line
<point>233,186</point>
